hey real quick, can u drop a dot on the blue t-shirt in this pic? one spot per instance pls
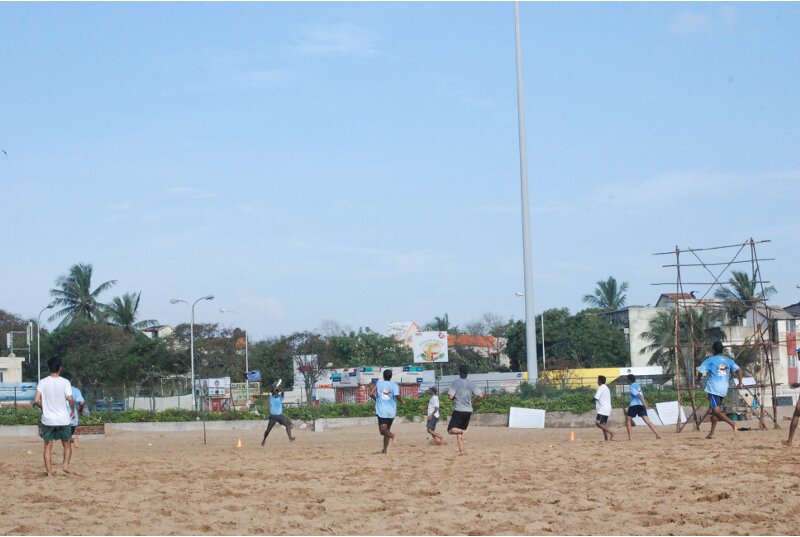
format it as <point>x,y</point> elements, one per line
<point>719,369</point>
<point>385,402</point>
<point>275,405</point>
<point>78,397</point>
<point>635,390</point>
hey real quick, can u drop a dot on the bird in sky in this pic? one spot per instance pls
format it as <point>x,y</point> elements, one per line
<point>4,152</point>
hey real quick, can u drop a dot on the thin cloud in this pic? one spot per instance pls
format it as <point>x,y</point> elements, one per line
<point>664,189</point>
<point>697,22</point>
<point>338,40</point>
<point>188,192</point>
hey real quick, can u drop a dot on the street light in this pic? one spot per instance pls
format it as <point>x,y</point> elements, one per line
<point>191,336</point>
<point>246,361</point>
<point>38,343</point>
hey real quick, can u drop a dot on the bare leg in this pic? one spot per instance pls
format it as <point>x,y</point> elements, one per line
<point>652,427</point>
<point>793,425</point>
<point>459,437</point>
<point>717,415</point>
<point>387,436</point>
<point>607,434</point>
<point>436,437</point>
<point>48,455</point>
<point>289,431</point>
<point>628,424</point>
<point>67,455</point>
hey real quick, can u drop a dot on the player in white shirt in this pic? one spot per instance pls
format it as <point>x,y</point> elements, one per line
<point>433,416</point>
<point>52,395</point>
<point>602,399</point>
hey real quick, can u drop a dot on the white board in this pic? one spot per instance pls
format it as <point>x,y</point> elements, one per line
<point>526,418</point>
<point>669,413</point>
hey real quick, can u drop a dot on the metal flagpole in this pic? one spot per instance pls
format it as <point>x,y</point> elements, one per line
<point>530,315</point>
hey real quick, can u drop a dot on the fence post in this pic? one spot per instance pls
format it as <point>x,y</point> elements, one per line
<point>15,397</point>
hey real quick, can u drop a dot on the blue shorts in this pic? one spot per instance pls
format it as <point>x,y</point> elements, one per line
<point>636,410</point>
<point>715,400</point>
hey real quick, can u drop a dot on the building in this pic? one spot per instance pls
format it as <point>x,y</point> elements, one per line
<point>158,332</point>
<point>11,368</point>
<point>403,331</point>
<point>486,346</point>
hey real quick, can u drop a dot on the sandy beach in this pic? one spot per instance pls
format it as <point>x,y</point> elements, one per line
<point>510,481</point>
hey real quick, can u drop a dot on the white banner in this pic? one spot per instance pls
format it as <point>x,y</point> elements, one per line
<point>429,347</point>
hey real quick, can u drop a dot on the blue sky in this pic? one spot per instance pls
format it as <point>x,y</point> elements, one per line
<point>358,162</point>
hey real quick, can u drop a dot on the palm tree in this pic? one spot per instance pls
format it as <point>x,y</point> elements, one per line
<point>608,296</point>
<point>75,294</point>
<point>742,295</point>
<point>699,329</point>
<point>122,311</point>
<point>441,324</point>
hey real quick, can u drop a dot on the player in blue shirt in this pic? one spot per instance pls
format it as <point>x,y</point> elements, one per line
<point>719,369</point>
<point>276,415</point>
<point>386,394</point>
<point>637,407</point>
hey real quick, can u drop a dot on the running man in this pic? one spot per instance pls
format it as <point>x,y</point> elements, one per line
<point>461,391</point>
<point>719,369</point>
<point>637,407</point>
<point>53,395</point>
<point>276,415</point>
<point>795,417</point>
<point>80,403</point>
<point>602,398</point>
<point>386,394</point>
<point>433,416</point>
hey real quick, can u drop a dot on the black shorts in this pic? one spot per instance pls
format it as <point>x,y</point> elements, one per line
<point>387,421</point>
<point>459,420</point>
<point>600,419</point>
<point>280,419</point>
<point>431,424</point>
<point>715,400</point>
<point>636,410</point>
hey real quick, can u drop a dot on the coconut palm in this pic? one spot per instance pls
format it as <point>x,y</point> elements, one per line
<point>699,328</point>
<point>608,295</point>
<point>123,310</point>
<point>75,295</point>
<point>742,295</point>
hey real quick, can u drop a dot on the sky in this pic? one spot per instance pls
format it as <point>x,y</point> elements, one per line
<point>358,163</point>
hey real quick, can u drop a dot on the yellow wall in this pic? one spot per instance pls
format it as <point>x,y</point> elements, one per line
<point>581,377</point>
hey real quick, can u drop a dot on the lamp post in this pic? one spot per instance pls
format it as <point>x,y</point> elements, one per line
<point>191,336</point>
<point>38,343</point>
<point>246,361</point>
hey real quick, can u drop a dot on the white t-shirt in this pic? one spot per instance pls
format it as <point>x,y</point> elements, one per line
<point>433,404</point>
<point>603,400</point>
<point>55,409</point>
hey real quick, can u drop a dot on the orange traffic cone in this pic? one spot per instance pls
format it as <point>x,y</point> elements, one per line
<point>572,436</point>
<point>239,443</point>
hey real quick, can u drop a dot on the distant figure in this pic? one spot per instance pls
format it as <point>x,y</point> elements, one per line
<point>602,398</point>
<point>795,416</point>
<point>461,391</point>
<point>637,407</point>
<point>433,416</point>
<point>276,415</point>
<point>80,403</point>
<point>386,394</point>
<point>719,369</point>
<point>53,393</point>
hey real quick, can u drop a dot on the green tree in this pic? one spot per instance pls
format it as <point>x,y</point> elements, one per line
<point>699,328</point>
<point>586,339</point>
<point>123,311</point>
<point>75,295</point>
<point>441,324</point>
<point>742,295</point>
<point>516,345</point>
<point>608,295</point>
<point>366,348</point>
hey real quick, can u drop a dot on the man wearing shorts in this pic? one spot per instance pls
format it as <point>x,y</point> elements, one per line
<point>54,397</point>
<point>433,416</point>
<point>602,399</point>
<point>276,415</point>
<point>80,403</point>
<point>719,369</point>
<point>461,392</point>
<point>386,394</point>
<point>637,407</point>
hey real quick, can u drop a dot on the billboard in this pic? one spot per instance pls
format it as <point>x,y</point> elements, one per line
<point>216,387</point>
<point>429,347</point>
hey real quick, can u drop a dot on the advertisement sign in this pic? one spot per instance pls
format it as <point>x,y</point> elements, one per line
<point>429,347</point>
<point>216,387</point>
<point>239,393</point>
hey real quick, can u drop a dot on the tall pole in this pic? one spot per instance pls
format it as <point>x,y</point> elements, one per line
<point>544,364</point>
<point>530,315</point>
<point>191,338</point>
<point>246,372</point>
<point>38,342</point>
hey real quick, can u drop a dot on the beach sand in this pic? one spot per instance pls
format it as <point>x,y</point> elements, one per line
<point>510,481</point>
